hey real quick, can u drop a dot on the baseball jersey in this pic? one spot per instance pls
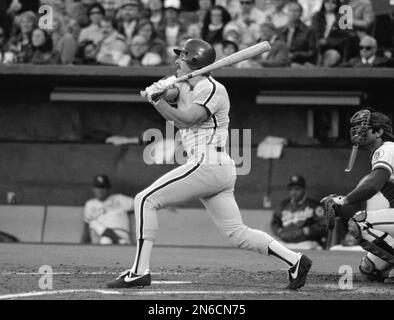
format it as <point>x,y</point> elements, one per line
<point>383,158</point>
<point>212,134</point>
<point>111,213</point>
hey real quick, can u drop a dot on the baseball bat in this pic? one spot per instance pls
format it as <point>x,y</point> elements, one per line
<point>236,57</point>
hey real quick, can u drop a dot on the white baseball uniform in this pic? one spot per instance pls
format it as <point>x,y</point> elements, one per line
<point>209,175</point>
<point>379,224</point>
<point>111,213</point>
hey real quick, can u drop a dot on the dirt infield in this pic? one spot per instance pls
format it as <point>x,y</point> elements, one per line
<point>81,272</point>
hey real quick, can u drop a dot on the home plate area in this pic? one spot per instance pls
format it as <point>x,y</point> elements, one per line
<point>178,273</point>
<point>185,284</point>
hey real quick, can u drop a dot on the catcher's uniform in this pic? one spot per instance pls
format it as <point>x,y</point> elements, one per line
<point>377,226</point>
<point>383,158</point>
<point>208,175</point>
<point>112,213</point>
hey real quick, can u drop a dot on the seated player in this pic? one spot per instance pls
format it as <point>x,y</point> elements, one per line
<point>299,221</point>
<point>106,216</point>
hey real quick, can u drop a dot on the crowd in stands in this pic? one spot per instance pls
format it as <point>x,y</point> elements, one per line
<point>302,33</point>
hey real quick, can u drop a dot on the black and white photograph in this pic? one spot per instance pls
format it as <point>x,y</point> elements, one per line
<point>196,156</point>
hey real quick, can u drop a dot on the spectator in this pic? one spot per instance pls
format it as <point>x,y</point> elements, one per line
<point>6,57</point>
<point>367,58</point>
<point>87,53</point>
<point>129,18</point>
<point>331,58</point>
<point>238,32</point>
<point>193,31</point>
<point>73,27</point>
<point>309,9</point>
<point>6,17</point>
<point>79,11</point>
<point>113,46</point>
<point>250,14</point>
<point>63,42</point>
<point>173,28</point>
<point>138,49</point>
<point>299,220</point>
<point>16,7</point>
<point>325,27</point>
<point>156,13</point>
<point>213,25</point>
<point>20,44</point>
<point>111,7</point>
<point>278,56</point>
<point>157,51</point>
<point>298,37</point>
<point>204,6</point>
<point>107,216</point>
<point>363,16</point>
<point>93,32</point>
<point>277,14</point>
<point>43,48</point>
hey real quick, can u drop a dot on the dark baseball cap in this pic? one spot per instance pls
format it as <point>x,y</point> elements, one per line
<point>296,181</point>
<point>101,181</point>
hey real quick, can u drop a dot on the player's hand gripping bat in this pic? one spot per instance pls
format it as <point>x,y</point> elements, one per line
<point>236,57</point>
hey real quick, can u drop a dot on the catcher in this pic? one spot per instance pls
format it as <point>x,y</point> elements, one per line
<point>374,230</point>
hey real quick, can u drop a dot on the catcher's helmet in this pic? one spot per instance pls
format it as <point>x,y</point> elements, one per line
<point>198,53</point>
<point>366,119</point>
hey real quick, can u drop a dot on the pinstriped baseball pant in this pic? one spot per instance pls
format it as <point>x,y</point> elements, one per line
<point>213,184</point>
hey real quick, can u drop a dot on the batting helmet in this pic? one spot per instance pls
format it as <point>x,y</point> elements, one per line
<point>198,53</point>
<point>368,118</point>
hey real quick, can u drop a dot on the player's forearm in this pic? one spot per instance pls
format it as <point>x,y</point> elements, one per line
<point>180,117</point>
<point>367,189</point>
<point>171,94</point>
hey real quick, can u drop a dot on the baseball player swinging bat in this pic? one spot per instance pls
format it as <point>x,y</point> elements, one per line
<point>236,57</point>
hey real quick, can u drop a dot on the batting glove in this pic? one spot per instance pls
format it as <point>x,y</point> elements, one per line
<point>154,93</point>
<point>339,200</point>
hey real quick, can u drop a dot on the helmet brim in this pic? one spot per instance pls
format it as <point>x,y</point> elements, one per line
<point>178,51</point>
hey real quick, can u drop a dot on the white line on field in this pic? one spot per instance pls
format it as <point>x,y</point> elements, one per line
<point>52,292</point>
<point>75,273</point>
<point>140,293</point>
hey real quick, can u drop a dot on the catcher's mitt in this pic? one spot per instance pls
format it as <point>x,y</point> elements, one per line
<point>331,210</point>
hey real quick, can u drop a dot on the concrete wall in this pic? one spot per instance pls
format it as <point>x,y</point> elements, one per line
<point>61,174</point>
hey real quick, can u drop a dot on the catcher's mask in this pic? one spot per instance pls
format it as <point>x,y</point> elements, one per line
<point>366,119</point>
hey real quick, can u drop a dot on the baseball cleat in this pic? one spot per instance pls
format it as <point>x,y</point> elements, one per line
<point>299,272</point>
<point>128,279</point>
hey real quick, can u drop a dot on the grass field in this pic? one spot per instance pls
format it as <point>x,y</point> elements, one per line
<point>81,272</point>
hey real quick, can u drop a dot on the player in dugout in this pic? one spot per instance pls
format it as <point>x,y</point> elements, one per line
<point>299,221</point>
<point>107,216</point>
